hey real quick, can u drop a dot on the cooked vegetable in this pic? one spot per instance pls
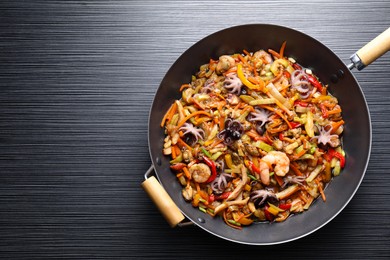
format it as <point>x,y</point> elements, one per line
<point>254,137</point>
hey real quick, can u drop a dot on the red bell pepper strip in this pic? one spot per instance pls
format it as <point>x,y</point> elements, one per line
<point>223,196</point>
<point>178,166</point>
<point>211,198</point>
<point>301,103</point>
<point>213,167</point>
<point>287,74</point>
<point>254,168</point>
<point>314,82</point>
<point>294,125</point>
<point>333,153</point>
<point>296,66</point>
<point>281,136</point>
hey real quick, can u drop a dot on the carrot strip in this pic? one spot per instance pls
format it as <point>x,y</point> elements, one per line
<point>281,52</point>
<point>242,59</point>
<point>283,107</point>
<point>217,142</point>
<point>187,173</point>
<point>268,138</point>
<point>324,91</point>
<point>192,115</point>
<point>221,123</point>
<point>173,153</point>
<point>334,111</point>
<point>254,135</point>
<point>184,144</point>
<point>246,52</point>
<point>274,53</point>
<point>295,168</point>
<point>321,190</point>
<point>279,114</point>
<point>167,114</point>
<point>336,125</point>
<point>253,80</point>
<point>302,196</point>
<point>201,120</point>
<point>221,104</point>
<point>197,188</point>
<point>231,70</point>
<point>279,180</point>
<point>298,155</point>
<point>177,150</point>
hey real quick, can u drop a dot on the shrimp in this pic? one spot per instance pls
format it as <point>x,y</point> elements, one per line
<point>200,172</point>
<point>281,162</point>
<point>261,57</point>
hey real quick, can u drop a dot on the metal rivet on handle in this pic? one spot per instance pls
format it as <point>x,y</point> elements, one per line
<point>201,220</point>
<point>340,73</point>
<point>334,78</point>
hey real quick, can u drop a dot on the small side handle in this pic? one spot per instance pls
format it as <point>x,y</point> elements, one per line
<point>162,199</point>
<point>371,51</point>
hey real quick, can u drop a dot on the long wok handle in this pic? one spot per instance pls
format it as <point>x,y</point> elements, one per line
<point>162,200</point>
<point>371,51</point>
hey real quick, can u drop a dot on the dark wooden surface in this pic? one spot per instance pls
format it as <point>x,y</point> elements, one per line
<point>77,79</point>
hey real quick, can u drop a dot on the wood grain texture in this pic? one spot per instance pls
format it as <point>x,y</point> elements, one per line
<point>77,80</point>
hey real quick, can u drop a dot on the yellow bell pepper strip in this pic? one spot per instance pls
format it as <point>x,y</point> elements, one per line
<point>229,161</point>
<point>245,221</point>
<point>275,66</point>
<point>274,209</point>
<point>246,82</point>
<point>267,214</point>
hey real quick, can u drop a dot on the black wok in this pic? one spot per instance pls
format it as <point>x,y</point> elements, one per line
<point>329,68</point>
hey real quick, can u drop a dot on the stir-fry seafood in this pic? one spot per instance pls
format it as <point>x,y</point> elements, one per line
<point>254,137</point>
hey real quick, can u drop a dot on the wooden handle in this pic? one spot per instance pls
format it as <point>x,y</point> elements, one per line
<point>163,201</point>
<point>375,48</point>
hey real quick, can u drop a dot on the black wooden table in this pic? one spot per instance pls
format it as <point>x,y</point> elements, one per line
<point>77,79</point>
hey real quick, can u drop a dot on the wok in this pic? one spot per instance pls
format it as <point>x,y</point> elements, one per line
<point>308,52</point>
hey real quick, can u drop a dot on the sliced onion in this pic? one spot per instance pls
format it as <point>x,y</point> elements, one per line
<point>300,81</point>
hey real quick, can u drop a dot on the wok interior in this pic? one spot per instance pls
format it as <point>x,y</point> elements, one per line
<point>309,53</point>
